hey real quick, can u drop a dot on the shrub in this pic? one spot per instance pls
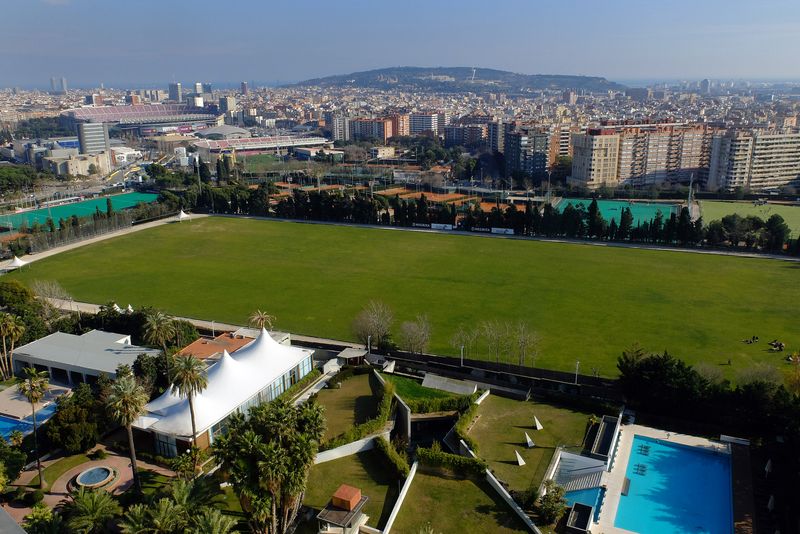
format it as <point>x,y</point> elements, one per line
<point>443,404</point>
<point>98,454</point>
<point>398,461</point>
<point>301,385</point>
<point>435,456</point>
<point>19,494</point>
<point>34,497</point>
<point>462,424</point>
<point>552,503</point>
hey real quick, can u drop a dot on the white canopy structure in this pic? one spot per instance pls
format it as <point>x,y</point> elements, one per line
<point>17,263</point>
<point>520,461</point>
<point>183,216</point>
<point>536,424</point>
<point>528,441</point>
<point>256,373</point>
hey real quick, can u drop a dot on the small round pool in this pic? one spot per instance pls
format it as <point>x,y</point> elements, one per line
<point>95,477</point>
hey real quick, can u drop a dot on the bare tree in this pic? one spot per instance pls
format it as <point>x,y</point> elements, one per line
<point>47,291</point>
<point>493,334</point>
<point>526,342</point>
<point>415,335</point>
<point>373,324</point>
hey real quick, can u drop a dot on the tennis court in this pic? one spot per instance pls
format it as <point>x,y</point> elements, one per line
<point>81,209</point>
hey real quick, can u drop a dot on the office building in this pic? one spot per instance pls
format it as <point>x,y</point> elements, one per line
<point>595,158</point>
<point>245,89</point>
<point>58,86</point>
<point>757,160</point>
<point>176,92</point>
<point>420,123</point>
<point>93,137</point>
<point>378,129</point>
<point>705,86</point>
<point>227,104</point>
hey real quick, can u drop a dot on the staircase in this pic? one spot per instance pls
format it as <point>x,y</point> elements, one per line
<point>592,480</point>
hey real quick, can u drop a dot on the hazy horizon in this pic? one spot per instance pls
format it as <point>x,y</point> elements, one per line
<point>150,43</point>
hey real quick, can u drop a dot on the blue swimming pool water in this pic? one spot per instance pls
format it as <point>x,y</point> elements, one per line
<point>9,424</point>
<point>589,497</point>
<point>675,488</point>
<point>612,209</point>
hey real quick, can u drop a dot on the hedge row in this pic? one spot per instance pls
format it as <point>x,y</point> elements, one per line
<point>463,423</point>
<point>301,385</point>
<point>436,457</point>
<point>398,461</point>
<point>370,427</point>
<point>444,404</point>
<point>346,372</point>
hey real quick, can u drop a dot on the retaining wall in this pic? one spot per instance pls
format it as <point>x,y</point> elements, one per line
<point>400,498</point>
<point>351,448</point>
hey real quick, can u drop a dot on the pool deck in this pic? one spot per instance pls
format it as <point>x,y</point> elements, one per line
<point>614,479</point>
<point>14,405</point>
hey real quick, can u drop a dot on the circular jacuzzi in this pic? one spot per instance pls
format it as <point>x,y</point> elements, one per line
<point>96,477</point>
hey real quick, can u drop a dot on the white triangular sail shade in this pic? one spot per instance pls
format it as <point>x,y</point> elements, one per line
<point>520,461</point>
<point>182,216</point>
<point>528,441</point>
<point>16,263</point>
<point>536,423</point>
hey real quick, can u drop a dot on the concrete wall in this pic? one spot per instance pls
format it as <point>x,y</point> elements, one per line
<point>400,498</point>
<point>482,397</point>
<point>351,448</point>
<point>495,484</point>
<point>403,418</point>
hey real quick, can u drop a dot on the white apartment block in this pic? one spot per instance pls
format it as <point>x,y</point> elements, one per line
<point>755,160</point>
<point>595,159</point>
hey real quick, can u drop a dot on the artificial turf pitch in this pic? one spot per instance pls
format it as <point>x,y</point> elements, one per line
<point>587,303</point>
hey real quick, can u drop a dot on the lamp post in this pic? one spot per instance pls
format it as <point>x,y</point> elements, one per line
<point>369,345</point>
<point>462,355</point>
<point>577,366</point>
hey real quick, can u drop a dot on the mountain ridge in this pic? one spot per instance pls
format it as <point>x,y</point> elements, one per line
<point>461,79</point>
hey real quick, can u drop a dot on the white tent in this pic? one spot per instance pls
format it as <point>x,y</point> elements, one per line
<point>183,216</point>
<point>16,263</point>
<point>116,308</point>
<point>129,309</point>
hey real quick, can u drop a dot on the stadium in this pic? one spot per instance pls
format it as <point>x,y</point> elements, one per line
<point>144,119</point>
<point>210,150</point>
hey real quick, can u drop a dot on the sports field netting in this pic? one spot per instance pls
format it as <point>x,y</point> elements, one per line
<point>81,209</point>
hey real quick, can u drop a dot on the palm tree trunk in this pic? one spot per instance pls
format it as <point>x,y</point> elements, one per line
<point>134,470</point>
<point>10,361</point>
<point>194,432</point>
<point>5,367</point>
<point>36,446</point>
<point>166,364</point>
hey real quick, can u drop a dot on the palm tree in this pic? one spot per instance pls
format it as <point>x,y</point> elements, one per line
<point>167,517</point>
<point>126,403</point>
<point>33,386</point>
<point>11,330</point>
<point>260,319</point>
<point>189,379</point>
<point>159,328</point>
<point>211,521</point>
<point>136,520</point>
<point>90,511</point>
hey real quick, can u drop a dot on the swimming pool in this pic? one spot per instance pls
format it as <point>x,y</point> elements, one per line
<point>81,209</point>
<point>612,209</point>
<point>9,424</point>
<point>675,488</point>
<point>590,497</point>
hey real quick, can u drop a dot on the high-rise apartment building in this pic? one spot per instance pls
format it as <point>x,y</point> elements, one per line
<point>227,104</point>
<point>754,159</point>
<point>58,86</point>
<point>527,152</point>
<point>424,122</point>
<point>176,92</point>
<point>468,135</point>
<point>595,158</point>
<point>561,140</point>
<point>380,129</point>
<point>401,124</point>
<point>496,136</point>
<point>245,90</point>
<point>93,137</point>
<point>339,126</point>
<point>198,88</point>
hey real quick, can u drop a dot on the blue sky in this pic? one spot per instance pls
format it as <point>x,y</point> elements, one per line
<point>149,42</point>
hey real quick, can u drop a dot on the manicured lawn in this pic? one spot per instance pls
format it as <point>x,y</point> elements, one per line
<point>453,506</point>
<point>411,390</point>
<point>153,483</point>
<point>366,471</point>
<point>347,406</point>
<point>500,430</point>
<point>54,471</point>
<point>716,210</point>
<point>586,302</point>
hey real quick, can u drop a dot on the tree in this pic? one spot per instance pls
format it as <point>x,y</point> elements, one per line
<point>776,233</point>
<point>526,342</point>
<point>33,385</point>
<point>625,224</point>
<point>189,379</point>
<point>11,330</point>
<point>109,207</point>
<point>205,174</point>
<point>415,335</point>
<point>267,456</point>
<point>596,224</point>
<point>126,402</point>
<point>42,520</point>
<point>211,521</point>
<point>92,169</point>
<point>77,420</point>
<point>90,511</point>
<point>260,319</point>
<point>552,503</point>
<point>159,329</point>
<point>373,324</point>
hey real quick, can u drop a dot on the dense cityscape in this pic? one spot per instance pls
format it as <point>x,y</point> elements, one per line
<point>411,299</point>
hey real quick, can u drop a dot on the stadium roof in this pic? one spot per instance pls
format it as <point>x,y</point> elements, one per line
<point>260,143</point>
<point>224,130</point>
<point>232,381</point>
<point>139,113</point>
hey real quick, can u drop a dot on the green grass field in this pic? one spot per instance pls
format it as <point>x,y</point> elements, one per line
<point>366,471</point>
<point>500,430</point>
<point>586,302</point>
<point>350,405</point>
<point>715,210</point>
<point>454,506</point>
<point>413,390</point>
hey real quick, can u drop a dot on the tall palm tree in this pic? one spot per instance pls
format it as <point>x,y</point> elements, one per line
<point>126,403</point>
<point>189,378</point>
<point>33,386</point>
<point>167,517</point>
<point>90,511</point>
<point>159,329</point>
<point>136,520</point>
<point>11,330</point>
<point>261,319</point>
<point>211,521</point>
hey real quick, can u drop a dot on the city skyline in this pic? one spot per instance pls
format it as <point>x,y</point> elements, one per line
<point>92,42</point>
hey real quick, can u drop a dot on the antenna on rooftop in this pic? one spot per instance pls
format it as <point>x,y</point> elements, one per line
<point>473,74</point>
